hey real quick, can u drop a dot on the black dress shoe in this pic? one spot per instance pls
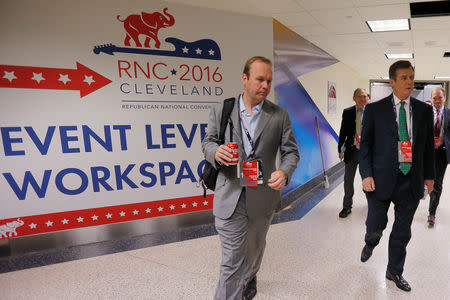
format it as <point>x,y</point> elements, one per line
<point>250,290</point>
<point>345,212</point>
<point>400,282</point>
<point>366,253</point>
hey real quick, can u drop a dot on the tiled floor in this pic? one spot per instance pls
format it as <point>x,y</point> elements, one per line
<point>316,257</point>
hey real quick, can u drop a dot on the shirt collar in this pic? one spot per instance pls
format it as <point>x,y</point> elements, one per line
<point>256,109</point>
<point>397,100</point>
<point>438,110</point>
<point>360,109</point>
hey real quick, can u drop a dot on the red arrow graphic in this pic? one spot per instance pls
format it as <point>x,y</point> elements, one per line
<point>82,78</point>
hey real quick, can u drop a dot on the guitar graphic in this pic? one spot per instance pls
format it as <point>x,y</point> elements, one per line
<point>201,49</point>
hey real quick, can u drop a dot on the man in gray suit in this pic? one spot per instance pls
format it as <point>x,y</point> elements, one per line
<point>243,213</point>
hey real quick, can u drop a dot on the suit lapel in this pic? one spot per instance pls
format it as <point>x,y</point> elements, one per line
<point>266,115</point>
<point>236,123</point>
<point>392,118</point>
<point>353,123</point>
<point>415,120</point>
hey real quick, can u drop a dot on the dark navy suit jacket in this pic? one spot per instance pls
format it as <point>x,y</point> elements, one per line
<point>446,139</point>
<point>378,155</point>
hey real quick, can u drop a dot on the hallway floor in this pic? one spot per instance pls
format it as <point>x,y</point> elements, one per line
<point>315,257</point>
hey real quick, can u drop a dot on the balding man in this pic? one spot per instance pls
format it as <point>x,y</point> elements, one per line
<point>441,148</point>
<point>348,146</point>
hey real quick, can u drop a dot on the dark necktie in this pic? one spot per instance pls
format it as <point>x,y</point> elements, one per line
<point>358,123</point>
<point>403,133</point>
<point>437,126</point>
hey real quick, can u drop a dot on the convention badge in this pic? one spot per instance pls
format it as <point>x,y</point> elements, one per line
<point>357,139</point>
<point>404,152</point>
<point>250,172</point>
<point>437,142</point>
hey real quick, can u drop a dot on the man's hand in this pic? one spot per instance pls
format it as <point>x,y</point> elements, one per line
<point>368,184</point>
<point>223,155</point>
<point>341,155</point>
<point>430,184</point>
<point>277,180</point>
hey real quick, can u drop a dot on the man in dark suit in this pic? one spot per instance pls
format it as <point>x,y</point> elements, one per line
<point>441,147</point>
<point>396,159</point>
<point>243,213</point>
<point>348,146</point>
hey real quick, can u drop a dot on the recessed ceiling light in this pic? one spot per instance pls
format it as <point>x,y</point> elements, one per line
<point>441,77</point>
<point>399,55</point>
<point>389,25</point>
<point>384,77</point>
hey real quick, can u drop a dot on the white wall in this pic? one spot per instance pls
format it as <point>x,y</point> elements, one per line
<point>346,79</point>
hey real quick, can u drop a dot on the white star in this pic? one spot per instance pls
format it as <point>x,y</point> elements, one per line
<point>194,204</point>
<point>94,218</point>
<point>32,226</point>
<point>49,223</point>
<point>185,50</point>
<point>205,203</point>
<point>211,52</point>
<point>183,205</point>
<point>148,210</point>
<point>64,78</point>
<point>65,221</point>
<point>135,212</point>
<point>10,76</point>
<point>122,214</point>
<point>88,79</point>
<point>108,216</point>
<point>172,207</point>
<point>80,219</point>
<point>160,208</point>
<point>198,51</point>
<point>38,77</point>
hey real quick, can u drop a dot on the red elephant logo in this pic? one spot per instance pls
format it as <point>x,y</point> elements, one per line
<point>146,24</point>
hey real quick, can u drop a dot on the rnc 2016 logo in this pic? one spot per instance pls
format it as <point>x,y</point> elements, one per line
<point>178,77</point>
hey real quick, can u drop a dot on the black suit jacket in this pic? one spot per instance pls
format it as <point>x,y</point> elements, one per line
<point>446,138</point>
<point>378,157</point>
<point>347,132</point>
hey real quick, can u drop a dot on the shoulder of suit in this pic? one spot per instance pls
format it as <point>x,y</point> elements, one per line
<point>272,106</point>
<point>350,108</point>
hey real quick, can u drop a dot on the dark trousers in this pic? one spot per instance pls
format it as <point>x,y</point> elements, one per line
<point>441,166</point>
<point>405,206</point>
<point>349,177</point>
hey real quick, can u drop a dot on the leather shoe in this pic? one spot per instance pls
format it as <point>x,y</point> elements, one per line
<point>400,282</point>
<point>366,253</point>
<point>345,212</point>
<point>250,290</point>
<point>431,220</point>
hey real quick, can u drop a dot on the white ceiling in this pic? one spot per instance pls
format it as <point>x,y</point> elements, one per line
<point>339,28</point>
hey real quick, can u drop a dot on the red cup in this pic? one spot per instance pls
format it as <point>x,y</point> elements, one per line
<point>235,151</point>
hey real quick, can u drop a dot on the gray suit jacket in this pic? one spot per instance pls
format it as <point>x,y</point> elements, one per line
<point>273,132</point>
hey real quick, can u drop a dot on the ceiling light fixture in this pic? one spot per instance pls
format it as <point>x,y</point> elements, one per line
<point>389,25</point>
<point>441,77</point>
<point>399,55</point>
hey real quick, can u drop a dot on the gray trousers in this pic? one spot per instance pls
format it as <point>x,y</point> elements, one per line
<point>349,178</point>
<point>243,240</point>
